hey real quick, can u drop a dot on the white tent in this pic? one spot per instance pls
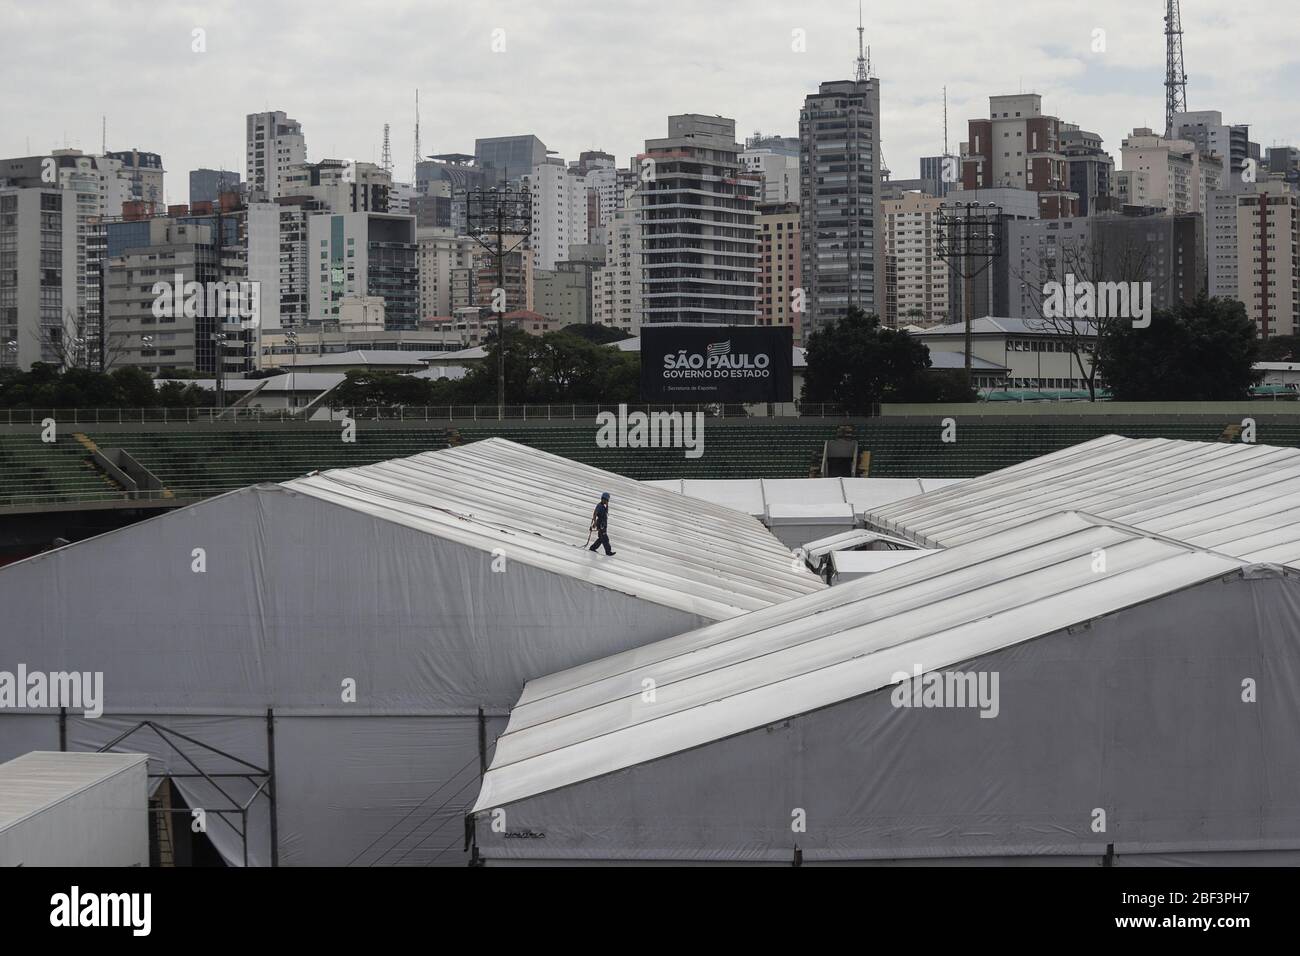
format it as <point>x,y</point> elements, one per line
<point>364,629</point>
<point>1240,499</point>
<point>1141,708</point>
<point>754,496</point>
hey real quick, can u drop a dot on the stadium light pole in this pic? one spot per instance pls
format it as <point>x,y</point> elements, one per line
<point>292,336</point>
<point>219,340</point>
<point>492,215</point>
<point>970,237</point>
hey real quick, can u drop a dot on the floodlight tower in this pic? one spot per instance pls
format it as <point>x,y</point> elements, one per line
<point>493,215</point>
<point>970,237</point>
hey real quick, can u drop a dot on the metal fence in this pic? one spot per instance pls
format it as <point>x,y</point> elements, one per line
<point>409,413</point>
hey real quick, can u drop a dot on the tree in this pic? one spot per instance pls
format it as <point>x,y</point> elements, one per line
<point>596,332</point>
<point>1204,352</point>
<point>1280,348</point>
<point>855,363</point>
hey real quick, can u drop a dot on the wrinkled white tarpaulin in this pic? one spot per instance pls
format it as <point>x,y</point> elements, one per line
<point>753,496</point>
<point>1120,693</point>
<point>436,584</point>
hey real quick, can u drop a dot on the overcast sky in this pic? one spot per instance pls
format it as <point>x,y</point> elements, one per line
<point>582,74</point>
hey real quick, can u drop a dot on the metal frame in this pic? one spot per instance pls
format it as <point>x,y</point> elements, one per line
<point>253,774</point>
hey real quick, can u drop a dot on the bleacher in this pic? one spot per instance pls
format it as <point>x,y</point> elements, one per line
<point>198,461</point>
<point>33,471</point>
<point>911,448</point>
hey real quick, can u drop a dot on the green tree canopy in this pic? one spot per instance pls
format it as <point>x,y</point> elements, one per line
<point>1198,352</point>
<point>856,363</point>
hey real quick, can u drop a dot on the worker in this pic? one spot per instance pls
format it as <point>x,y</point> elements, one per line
<point>599,523</point>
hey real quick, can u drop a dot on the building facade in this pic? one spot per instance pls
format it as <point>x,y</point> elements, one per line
<point>699,240</point>
<point>274,145</point>
<point>780,296</point>
<point>1018,147</point>
<point>918,279</point>
<point>839,201</point>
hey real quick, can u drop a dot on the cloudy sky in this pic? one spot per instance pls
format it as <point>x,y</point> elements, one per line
<point>583,74</point>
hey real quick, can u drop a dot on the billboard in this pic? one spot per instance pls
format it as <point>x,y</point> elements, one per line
<point>717,363</point>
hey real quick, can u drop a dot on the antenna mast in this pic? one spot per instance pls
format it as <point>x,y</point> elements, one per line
<point>415,166</point>
<point>387,161</point>
<point>1175,76</point>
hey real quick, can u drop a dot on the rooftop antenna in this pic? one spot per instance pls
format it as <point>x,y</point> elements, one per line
<point>1175,75</point>
<point>416,164</point>
<point>945,121</point>
<point>387,161</point>
<point>103,135</point>
<point>864,68</point>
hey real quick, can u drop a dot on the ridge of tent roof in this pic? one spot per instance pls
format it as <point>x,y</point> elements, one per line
<point>681,552</point>
<point>1239,499</point>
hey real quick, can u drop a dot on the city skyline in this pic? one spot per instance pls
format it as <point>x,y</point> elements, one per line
<point>648,67</point>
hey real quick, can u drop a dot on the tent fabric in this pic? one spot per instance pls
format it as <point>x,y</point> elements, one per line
<point>851,540</point>
<point>813,652</point>
<point>1120,691</point>
<point>375,611</point>
<point>853,563</point>
<point>497,494</point>
<point>1135,723</point>
<point>753,496</point>
<point>1239,499</point>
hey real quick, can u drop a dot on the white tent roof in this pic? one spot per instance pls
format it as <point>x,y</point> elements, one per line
<point>679,552</point>
<point>848,540</point>
<point>1239,499</point>
<point>40,779</point>
<point>873,562</point>
<point>809,653</point>
<point>754,495</point>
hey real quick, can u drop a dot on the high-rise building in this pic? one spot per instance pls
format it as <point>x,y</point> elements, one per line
<point>616,286</point>
<point>440,255</point>
<point>38,276</point>
<point>1018,147</point>
<point>1231,144</point>
<point>559,213</point>
<point>839,201</point>
<point>208,184</point>
<point>144,172</point>
<point>275,144</point>
<point>505,159</point>
<point>698,236</point>
<point>1089,168</point>
<point>917,293</point>
<point>452,176</point>
<point>940,174</point>
<point>776,160</point>
<point>160,249</point>
<point>1255,254</point>
<point>780,266</point>
<point>342,186</point>
<point>357,254</point>
<point>1178,177</point>
<point>1167,251</point>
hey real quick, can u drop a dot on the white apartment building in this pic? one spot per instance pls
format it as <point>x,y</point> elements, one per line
<point>275,144</point>
<point>340,185</point>
<point>776,160</point>
<point>605,196</point>
<point>440,255</point>
<point>919,278</point>
<point>38,276</point>
<point>1179,177</point>
<point>616,287</point>
<point>1268,257</point>
<point>559,200</point>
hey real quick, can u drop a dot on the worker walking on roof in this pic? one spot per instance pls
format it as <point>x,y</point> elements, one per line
<point>599,524</point>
